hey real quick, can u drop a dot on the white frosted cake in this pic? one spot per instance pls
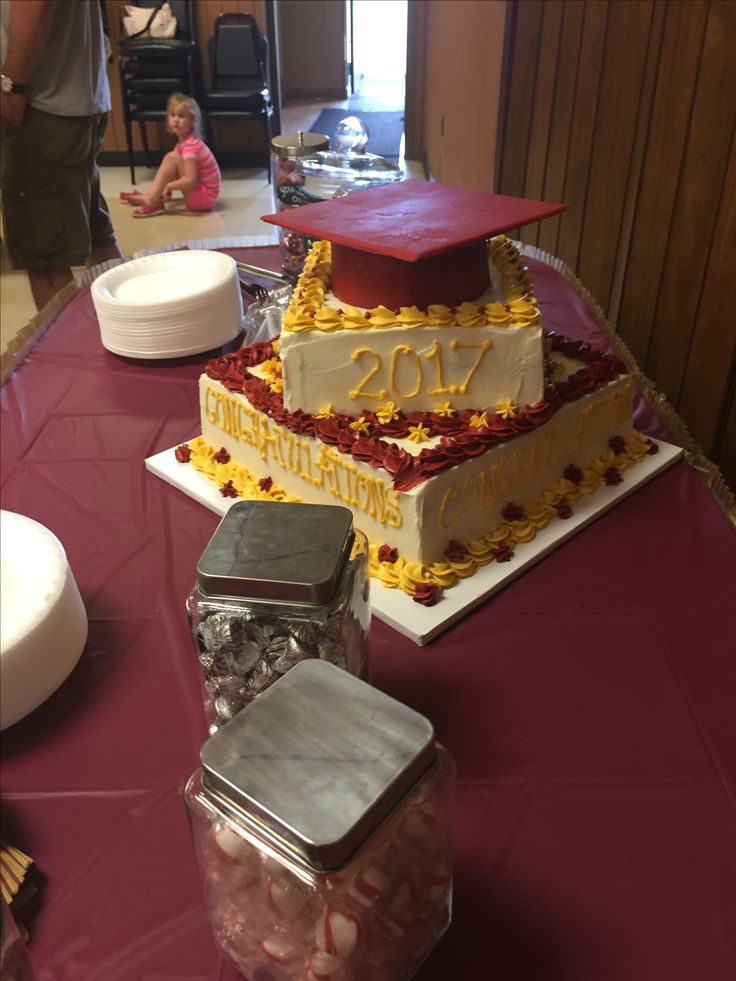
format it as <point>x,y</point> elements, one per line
<point>43,623</point>
<point>453,431</point>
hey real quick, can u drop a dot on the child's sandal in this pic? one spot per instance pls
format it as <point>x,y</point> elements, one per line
<point>149,210</point>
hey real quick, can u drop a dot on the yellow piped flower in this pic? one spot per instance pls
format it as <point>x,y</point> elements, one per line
<point>412,575</point>
<point>418,433</point>
<point>327,319</point>
<point>507,409</point>
<point>479,421</point>
<point>590,483</point>
<point>360,425</point>
<point>497,314</point>
<point>326,413</point>
<point>297,318</point>
<point>469,315</point>
<point>524,308</point>
<point>387,413</point>
<point>411,317</point>
<point>540,514</point>
<point>443,574</point>
<point>270,368</point>
<point>440,315</point>
<point>354,319</point>
<point>444,409</point>
<point>481,550</point>
<point>383,317</point>
<point>522,531</point>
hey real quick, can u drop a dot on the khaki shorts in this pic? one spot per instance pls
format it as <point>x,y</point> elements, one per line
<point>53,211</point>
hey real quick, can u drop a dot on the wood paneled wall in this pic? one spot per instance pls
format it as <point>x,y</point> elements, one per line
<point>454,80</point>
<point>240,135</point>
<point>625,110</point>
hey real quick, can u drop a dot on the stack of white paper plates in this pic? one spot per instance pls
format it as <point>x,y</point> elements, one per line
<point>169,305</point>
<point>43,626</point>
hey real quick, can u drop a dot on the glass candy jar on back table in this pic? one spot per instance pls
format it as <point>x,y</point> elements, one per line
<point>288,189</point>
<point>307,171</point>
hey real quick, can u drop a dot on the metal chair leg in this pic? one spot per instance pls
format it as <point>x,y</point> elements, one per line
<point>131,155</point>
<point>144,139</point>
<point>126,119</point>
<point>269,137</point>
<point>210,123</point>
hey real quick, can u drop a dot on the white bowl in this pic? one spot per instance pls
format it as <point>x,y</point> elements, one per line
<point>43,623</point>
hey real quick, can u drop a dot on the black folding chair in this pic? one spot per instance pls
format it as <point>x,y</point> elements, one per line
<point>151,69</point>
<point>240,76</point>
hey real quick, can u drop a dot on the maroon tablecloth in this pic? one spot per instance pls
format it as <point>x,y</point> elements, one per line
<point>589,706</point>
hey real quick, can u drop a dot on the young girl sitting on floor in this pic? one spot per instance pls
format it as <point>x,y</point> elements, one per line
<point>190,167</point>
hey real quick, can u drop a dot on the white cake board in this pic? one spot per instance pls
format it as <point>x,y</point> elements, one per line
<point>423,623</point>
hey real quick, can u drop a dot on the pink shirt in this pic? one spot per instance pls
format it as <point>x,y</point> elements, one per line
<point>208,173</point>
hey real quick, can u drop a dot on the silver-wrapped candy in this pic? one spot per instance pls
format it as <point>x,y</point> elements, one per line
<point>276,588</point>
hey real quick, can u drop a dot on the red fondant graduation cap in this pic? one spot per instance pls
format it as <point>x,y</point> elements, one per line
<point>413,242</point>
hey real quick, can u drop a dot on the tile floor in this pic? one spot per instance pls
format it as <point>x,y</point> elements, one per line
<point>246,195</point>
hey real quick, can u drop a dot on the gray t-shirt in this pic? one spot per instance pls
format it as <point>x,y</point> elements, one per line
<point>70,78</point>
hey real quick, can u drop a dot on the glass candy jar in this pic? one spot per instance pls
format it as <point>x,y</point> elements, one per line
<point>276,585</point>
<point>287,152</point>
<point>321,820</point>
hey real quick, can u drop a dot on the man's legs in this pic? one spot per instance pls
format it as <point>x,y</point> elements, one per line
<point>54,216</point>
<point>46,282</point>
<point>104,245</point>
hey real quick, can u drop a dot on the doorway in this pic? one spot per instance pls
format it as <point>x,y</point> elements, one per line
<point>376,52</point>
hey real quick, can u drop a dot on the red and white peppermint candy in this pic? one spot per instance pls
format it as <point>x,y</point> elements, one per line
<point>389,927</point>
<point>405,897</point>
<point>438,883</point>
<point>368,886</point>
<point>280,950</point>
<point>230,846</point>
<point>336,932</point>
<point>322,966</point>
<point>285,897</point>
<point>422,829</point>
<point>380,953</point>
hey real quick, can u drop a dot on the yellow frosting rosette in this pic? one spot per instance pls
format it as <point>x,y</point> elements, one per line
<point>438,315</point>
<point>413,574</point>
<point>481,550</point>
<point>443,574</point>
<point>497,314</point>
<point>297,319</point>
<point>327,319</point>
<point>383,317</point>
<point>354,319</point>
<point>469,315</point>
<point>411,317</point>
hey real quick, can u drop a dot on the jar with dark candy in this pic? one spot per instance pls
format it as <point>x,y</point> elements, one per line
<point>287,151</point>
<point>278,584</point>
<point>321,818</point>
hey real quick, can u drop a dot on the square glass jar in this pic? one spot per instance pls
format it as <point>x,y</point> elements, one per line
<point>278,584</point>
<point>321,818</point>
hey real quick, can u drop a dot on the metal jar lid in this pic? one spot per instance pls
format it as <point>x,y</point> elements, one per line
<point>317,762</point>
<point>278,553</point>
<point>290,146</point>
